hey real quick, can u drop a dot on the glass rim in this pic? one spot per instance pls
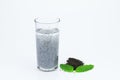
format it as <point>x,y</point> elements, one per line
<point>47,20</point>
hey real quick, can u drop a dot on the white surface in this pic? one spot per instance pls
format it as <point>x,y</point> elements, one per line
<point>90,31</point>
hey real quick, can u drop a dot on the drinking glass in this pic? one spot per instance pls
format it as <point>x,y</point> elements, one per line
<point>47,43</point>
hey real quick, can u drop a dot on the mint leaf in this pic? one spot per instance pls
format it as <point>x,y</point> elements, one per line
<point>84,68</point>
<point>66,67</point>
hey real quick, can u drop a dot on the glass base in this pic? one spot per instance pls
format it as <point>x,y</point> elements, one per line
<point>47,70</point>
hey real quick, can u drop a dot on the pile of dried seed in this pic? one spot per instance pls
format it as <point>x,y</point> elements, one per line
<point>75,65</point>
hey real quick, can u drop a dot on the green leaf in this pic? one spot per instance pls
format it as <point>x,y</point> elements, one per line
<point>84,68</point>
<point>66,67</point>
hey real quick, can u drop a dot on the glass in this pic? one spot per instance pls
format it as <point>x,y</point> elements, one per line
<point>47,42</point>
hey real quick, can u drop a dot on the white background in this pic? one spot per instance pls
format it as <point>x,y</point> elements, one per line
<point>90,31</point>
